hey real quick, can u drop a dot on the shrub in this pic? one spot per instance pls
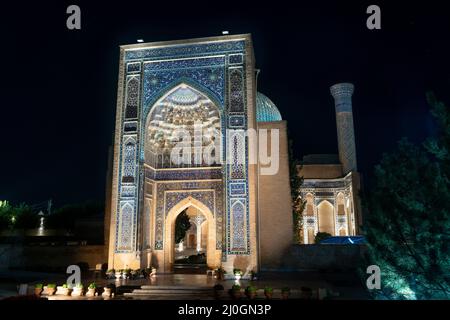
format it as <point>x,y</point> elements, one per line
<point>51,285</point>
<point>92,286</point>
<point>111,286</point>
<point>218,287</point>
<point>321,236</point>
<point>38,285</point>
<point>237,272</point>
<point>236,287</point>
<point>221,270</point>
<point>251,289</point>
<point>268,289</point>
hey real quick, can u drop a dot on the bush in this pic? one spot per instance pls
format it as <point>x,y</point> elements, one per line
<point>218,287</point>
<point>321,236</point>
<point>236,287</point>
<point>251,289</point>
<point>237,272</point>
<point>65,217</point>
<point>25,217</point>
<point>17,217</point>
<point>268,289</point>
<point>111,286</point>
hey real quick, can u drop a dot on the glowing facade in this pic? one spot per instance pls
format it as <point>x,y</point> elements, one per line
<point>203,85</point>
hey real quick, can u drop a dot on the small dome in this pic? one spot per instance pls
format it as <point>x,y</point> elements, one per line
<point>266,110</point>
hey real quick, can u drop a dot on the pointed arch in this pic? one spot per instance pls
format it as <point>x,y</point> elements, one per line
<point>173,117</point>
<point>325,215</point>
<point>129,160</point>
<point>309,209</point>
<point>238,236</point>
<point>212,255</point>
<point>132,98</point>
<point>340,203</point>
<point>126,226</point>
<point>164,92</point>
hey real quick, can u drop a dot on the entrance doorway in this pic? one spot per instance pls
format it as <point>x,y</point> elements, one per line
<point>193,248</point>
<point>190,241</point>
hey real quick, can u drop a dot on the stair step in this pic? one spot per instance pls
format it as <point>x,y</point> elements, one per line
<point>149,287</point>
<point>165,293</point>
<point>185,292</point>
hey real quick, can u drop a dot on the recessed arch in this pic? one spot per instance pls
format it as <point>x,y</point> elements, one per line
<point>178,82</point>
<point>131,107</point>
<point>309,209</point>
<point>340,203</point>
<point>212,254</point>
<point>325,215</point>
<point>177,117</point>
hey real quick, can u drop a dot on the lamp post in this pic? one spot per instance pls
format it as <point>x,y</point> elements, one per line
<point>198,220</point>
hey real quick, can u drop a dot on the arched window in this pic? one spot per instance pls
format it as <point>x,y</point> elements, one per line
<point>340,204</point>
<point>238,156</point>
<point>129,162</point>
<point>126,218</point>
<point>132,98</point>
<point>182,128</point>
<point>309,205</point>
<point>238,213</point>
<point>326,217</point>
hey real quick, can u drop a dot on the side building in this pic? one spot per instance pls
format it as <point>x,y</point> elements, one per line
<point>331,182</point>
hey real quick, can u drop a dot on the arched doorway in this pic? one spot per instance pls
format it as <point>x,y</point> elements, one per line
<point>185,115</point>
<point>326,217</point>
<point>183,133</point>
<point>191,234</point>
<point>207,226</point>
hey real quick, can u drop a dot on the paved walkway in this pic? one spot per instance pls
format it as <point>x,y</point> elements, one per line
<point>342,286</point>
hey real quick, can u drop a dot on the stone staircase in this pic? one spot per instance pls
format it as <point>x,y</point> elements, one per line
<point>149,292</point>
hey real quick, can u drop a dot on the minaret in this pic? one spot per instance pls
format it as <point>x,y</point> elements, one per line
<point>342,94</point>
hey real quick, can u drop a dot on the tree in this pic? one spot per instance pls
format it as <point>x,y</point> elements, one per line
<point>408,225</point>
<point>25,218</point>
<point>298,204</point>
<point>66,216</point>
<point>17,217</point>
<point>5,215</point>
<point>321,236</point>
<point>182,225</point>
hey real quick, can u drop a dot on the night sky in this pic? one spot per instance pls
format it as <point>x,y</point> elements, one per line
<point>59,87</point>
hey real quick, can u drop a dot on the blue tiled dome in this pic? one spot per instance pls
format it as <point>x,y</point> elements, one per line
<point>266,110</point>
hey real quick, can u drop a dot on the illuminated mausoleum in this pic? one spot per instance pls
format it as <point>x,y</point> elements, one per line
<point>187,115</point>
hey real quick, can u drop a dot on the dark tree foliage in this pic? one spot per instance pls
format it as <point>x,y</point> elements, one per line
<point>17,217</point>
<point>5,215</point>
<point>298,204</point>
<point>25,217</point>
<point>321,236</point>
<point>66,216</point>
<point>408,223</point>
<point>182,225</point>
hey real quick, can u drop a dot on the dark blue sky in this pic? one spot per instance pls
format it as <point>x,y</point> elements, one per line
<point>59,86</point>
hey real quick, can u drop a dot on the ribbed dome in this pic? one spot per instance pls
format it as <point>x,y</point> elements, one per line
<point>266,110</point>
